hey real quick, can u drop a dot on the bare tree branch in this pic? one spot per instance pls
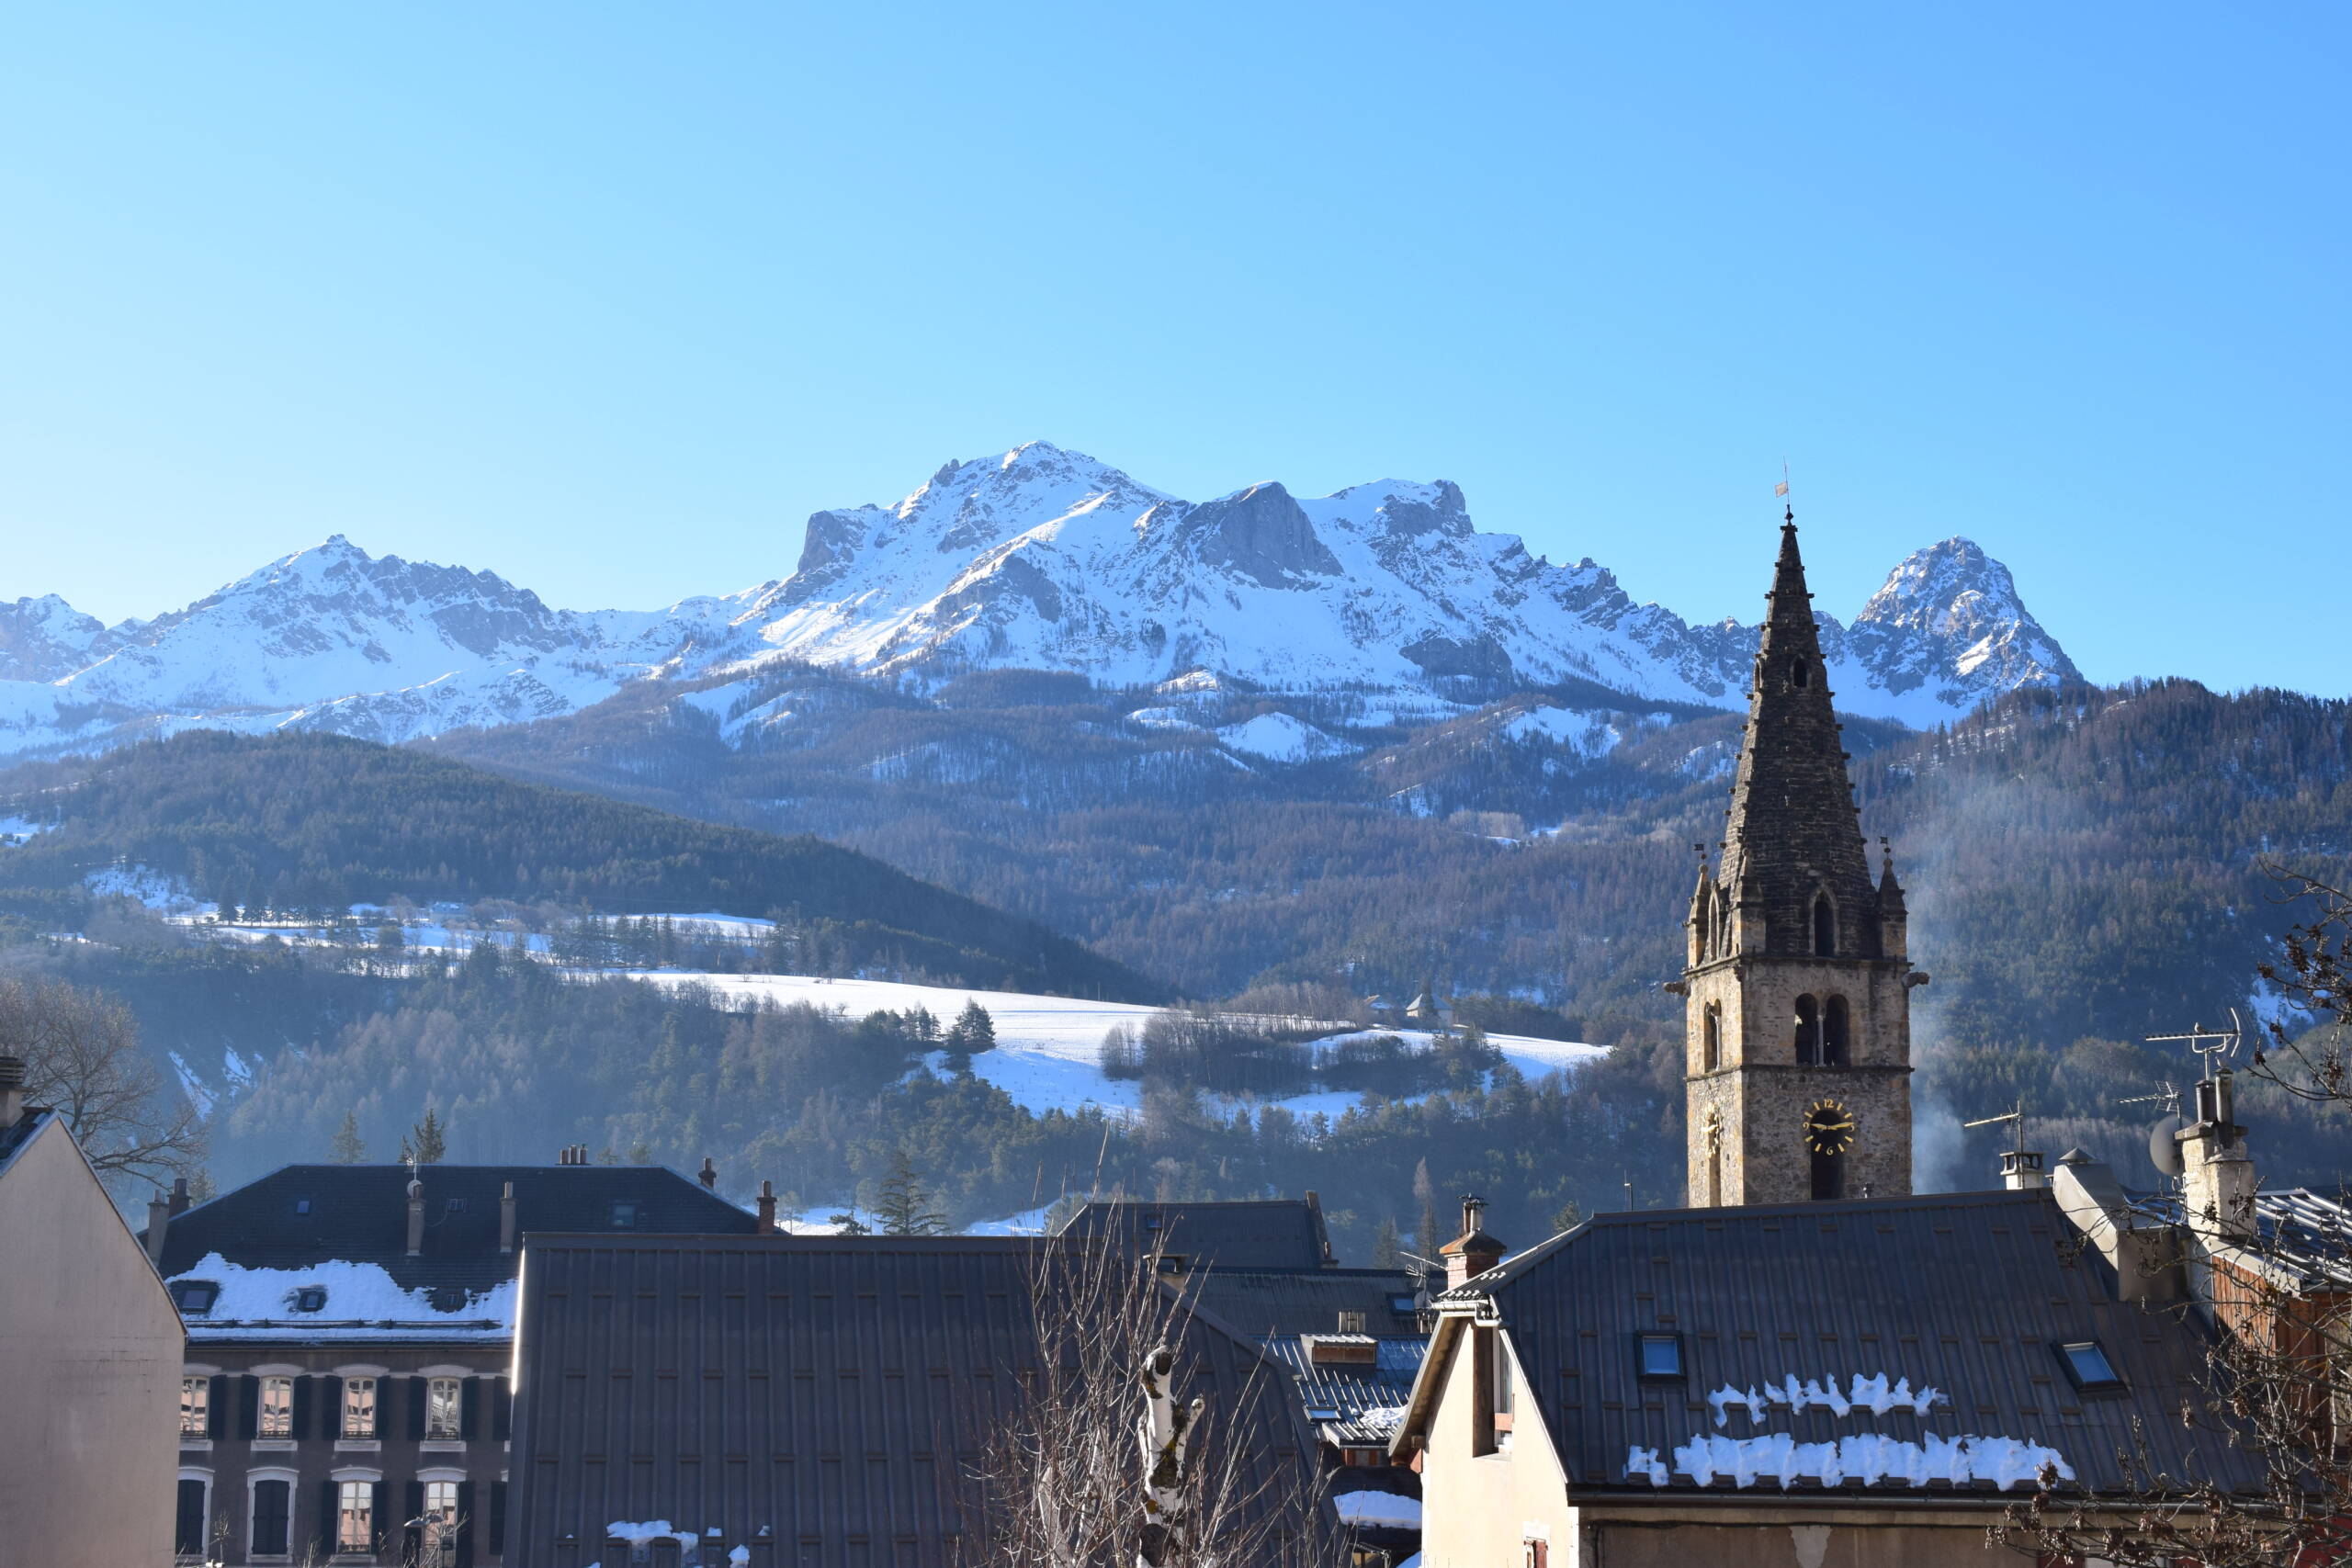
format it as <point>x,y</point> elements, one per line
<point>83,1061</point>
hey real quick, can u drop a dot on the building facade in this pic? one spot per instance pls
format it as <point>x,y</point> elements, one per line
<point>345,1394</point>
<point>1797,981</point>
<point>90,1352</point>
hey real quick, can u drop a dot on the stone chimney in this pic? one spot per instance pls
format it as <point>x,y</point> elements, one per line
<point>506,1218</point>
<point>2217,1180</point>
<point>2146,1255</point>
<point>158,1219</point>
<point>12,1091</point>
<point>180,1198</point>
<point>416,1216</point>
<point>708,1175</point>
<point>1472,1252</point>
<point>767,1209</point>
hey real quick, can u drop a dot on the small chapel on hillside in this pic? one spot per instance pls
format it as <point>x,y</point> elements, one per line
<point>1811,1364</point>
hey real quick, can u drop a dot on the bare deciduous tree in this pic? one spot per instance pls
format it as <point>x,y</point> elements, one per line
<point>83,1061</point>
<point>2278,1290</point>
<point>1110,1461</point>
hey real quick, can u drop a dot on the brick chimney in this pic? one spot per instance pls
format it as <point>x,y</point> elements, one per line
<point>1472,1252</point>
<point>708,1175</point>
<point>767,1209</point>
<point>416,1216</point>
<point>2217,1179</point>
<point>12,1091</point>
<point>506,1218</point>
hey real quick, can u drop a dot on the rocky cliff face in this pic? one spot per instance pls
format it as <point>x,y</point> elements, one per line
<point>1037,559</point>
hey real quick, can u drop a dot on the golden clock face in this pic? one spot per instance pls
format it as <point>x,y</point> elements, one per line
<point>1829,1128</point>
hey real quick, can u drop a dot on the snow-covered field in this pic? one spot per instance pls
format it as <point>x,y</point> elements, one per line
<point>1049,1048</point>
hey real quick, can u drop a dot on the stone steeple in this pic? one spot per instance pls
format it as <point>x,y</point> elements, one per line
<point>1796,982</point>
<point>1791,833</point>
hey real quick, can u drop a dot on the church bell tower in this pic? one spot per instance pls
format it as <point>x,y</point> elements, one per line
<point>1796,985</point>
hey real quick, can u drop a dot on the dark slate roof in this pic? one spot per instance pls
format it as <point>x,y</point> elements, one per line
<point>828,1394</point>
<point>359,1214</point>
<point>1349,1390</point>
<point>1274,1233</point>
<point>1289,1301</point>
<point>1967,1292</point>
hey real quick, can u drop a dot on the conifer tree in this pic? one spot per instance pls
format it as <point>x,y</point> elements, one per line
<point>901,1207</point>
<point>347,1149</point>
<point>1387,1250</point>
<point>425,1144</point>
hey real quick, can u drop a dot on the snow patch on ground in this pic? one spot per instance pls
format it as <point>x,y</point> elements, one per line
<point>1279,738</point>
<point>164,894</point>
<point>1380,1509</point>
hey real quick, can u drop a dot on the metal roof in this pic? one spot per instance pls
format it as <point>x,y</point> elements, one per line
<point>1967,1293</point>
<point>1351,1389</point>
<point>1289,1300</point>
<point>302,1215</point>
<point>2305,1230</point>
<point>1272,1233</point>
<point>828,1394</point>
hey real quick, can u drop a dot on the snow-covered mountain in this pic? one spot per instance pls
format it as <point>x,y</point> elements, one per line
<point>1040,559</point>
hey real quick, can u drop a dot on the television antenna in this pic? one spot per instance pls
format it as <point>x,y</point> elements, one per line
<point>2017,1162</point>
<point>2164,1148</point>
<point>2216,1045</point>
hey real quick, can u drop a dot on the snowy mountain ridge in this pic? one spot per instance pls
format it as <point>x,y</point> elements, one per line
<point>1040,559</point>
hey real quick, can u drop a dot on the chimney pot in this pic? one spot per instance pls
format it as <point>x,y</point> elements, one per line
<point>180,1198</point>
<point>12,1091</point>
<point>708,1175</point>
<point>767,1209</point>
<point>506,1218</point>
<point>416,1216</point>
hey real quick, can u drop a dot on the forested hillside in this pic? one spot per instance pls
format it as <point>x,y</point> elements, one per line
<point>308,823</point>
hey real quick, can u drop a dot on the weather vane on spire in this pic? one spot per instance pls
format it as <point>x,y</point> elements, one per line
<point>1789,513</point>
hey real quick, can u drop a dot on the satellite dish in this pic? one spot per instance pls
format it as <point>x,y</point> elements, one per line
<point>2163,1152</point>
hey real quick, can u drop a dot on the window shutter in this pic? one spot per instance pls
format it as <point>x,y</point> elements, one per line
<point>323,1532</point>
<point>216,1409</point>
<point>466,1518</point>
<point>470,1408</point>
<point>378,1508</point>
<point>413,1389</point>
<point>497,1517</point>
<point>301,1422</point>
<point>187,1521</point>
<point>272,1502</point>
<point>501,1410</point>
<point>412,1532</point>
<point>248,1407</point>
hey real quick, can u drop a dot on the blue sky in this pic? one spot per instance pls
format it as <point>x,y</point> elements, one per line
<point>608,298</point>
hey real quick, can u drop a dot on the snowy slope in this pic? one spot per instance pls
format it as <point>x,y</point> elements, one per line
<point>1049,1048</point>
<point>1039,558</point>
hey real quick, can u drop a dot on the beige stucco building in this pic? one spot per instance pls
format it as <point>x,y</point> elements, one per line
<point>90,1353</point>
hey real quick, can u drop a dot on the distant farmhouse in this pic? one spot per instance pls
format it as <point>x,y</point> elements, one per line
<point>89,1356</point>
<point>1815,1365</point>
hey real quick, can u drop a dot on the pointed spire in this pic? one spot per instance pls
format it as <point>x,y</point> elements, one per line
<point>1792,835</point>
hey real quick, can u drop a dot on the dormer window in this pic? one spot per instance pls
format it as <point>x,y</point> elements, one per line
<point>2087,1365</point>
<point>195,1297</point>
<point>310,1298</point>
<point>455,1206</point>
<point>446,1298</point>
<point>1352,1322</point>
<point>301,1205</point>
<point>1401,1304</point>
<point>624,1214</point>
